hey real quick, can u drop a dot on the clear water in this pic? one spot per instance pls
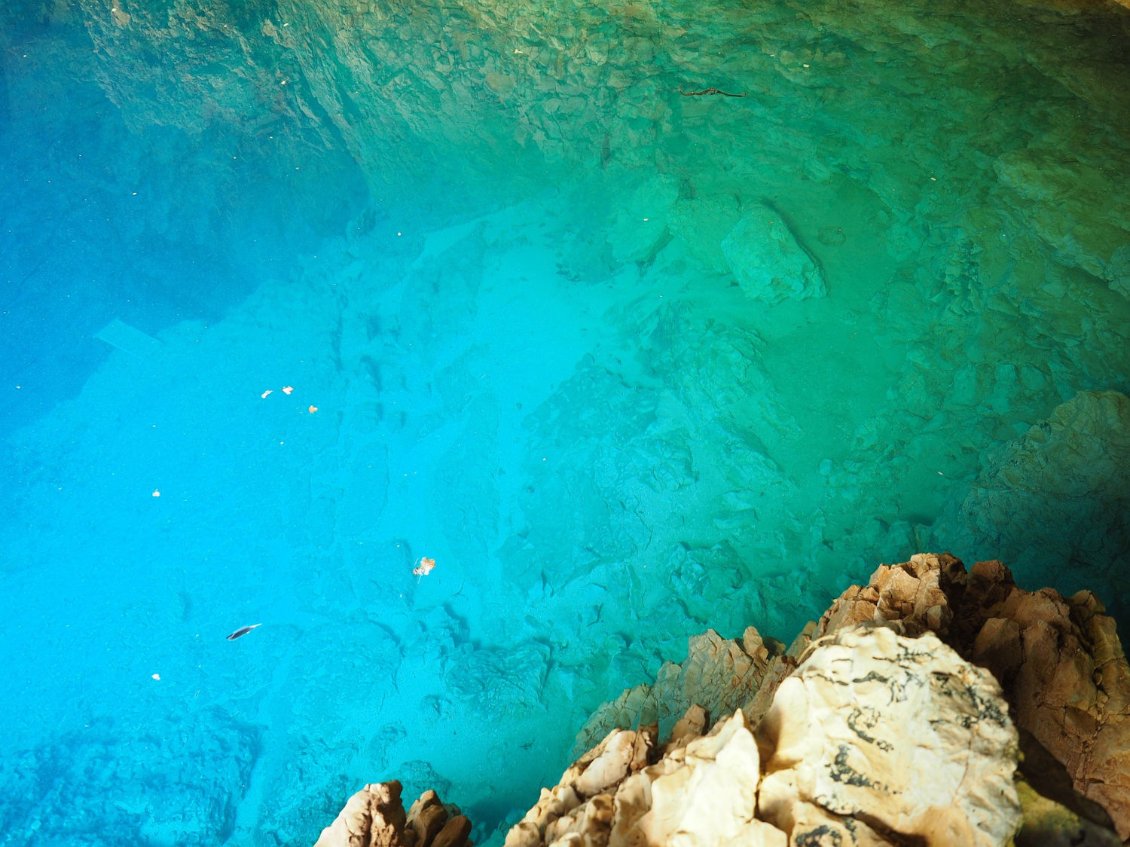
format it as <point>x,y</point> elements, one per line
<point>487,244</point>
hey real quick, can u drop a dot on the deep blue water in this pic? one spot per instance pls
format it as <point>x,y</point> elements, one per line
<point>626,360</point>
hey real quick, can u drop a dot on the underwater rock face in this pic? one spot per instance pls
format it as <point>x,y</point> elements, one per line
<point>601,83</point>
<point>95,788</point>
<point>1060,492</point>
<point>718,676</point>
<point>1100,250</point>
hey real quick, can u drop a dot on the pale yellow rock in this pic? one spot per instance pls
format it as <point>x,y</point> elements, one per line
<point>580,804</point>
<point>620,754</point>
<point>372,816</point>
<point>703,793</point>
<point>688,727</point>
<point>709,797</point>
<point>375,817</point>
<point>912,740</point>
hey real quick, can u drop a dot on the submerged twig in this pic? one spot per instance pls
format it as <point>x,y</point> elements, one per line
<point>709,91</point>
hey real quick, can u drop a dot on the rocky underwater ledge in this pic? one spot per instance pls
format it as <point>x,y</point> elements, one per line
<point>933,706</point>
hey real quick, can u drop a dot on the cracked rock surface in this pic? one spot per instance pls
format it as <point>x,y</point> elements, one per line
<point>880,738</point>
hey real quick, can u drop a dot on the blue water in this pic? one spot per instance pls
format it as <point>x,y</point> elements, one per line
<point>494,269</point>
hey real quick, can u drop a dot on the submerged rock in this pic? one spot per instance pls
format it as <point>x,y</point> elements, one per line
<point>768,261</point>
<point>1059,494</point>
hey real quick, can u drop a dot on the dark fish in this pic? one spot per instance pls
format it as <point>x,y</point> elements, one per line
<point>242,631</point>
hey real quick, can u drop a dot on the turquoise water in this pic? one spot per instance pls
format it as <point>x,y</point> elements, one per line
<point>626,356</point>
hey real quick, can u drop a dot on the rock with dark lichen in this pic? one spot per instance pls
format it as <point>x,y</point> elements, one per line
<point>878,734</point>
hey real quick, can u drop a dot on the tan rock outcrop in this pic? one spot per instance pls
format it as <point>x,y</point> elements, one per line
<point>880,738</point>
<point>912,597</point>
<point>1063,669</point>
<point>1058,659</point>
<point>579,801</point>
<point>888,721</point>
<point>703,792</point>
<point>375,817</point>
<point>841,753</point>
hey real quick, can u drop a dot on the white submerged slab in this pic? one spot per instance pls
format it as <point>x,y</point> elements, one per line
<point>127,338</point>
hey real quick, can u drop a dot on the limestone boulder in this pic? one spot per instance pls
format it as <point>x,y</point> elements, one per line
<point>886,739</point>
<point>701,794</point>
<point>374,815</point>
<point>580,802</point>
<point>1059,661</point>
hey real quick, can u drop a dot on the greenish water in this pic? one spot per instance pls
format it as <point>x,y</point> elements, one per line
<point>638,319</point>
